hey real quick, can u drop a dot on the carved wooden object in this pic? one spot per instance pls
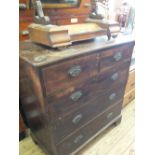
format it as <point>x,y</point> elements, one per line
<point>57,36</point>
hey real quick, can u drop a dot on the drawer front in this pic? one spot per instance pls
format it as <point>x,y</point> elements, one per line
<point>84,134</point>
<point>57,78</point>
<point>75,97</point>
<point>114,56</point>
<point>68,124</point>
<point>131,82</point>
<point>84,92</point>
<point>129,97</point>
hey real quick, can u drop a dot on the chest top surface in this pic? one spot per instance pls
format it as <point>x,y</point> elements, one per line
<point>38,55</point>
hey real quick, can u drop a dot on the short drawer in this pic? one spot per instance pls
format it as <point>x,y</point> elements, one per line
<point>93,128</point>
<point>117,75</point>
<point>57,78</point>
<point>82,93</point>
<point>114,56</point>
<point>76,119</point>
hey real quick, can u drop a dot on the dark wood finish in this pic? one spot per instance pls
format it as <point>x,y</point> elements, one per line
<point>84,134</point>
<point>66,124</point>
<point>57,78</point>
<point>22,129</point>
<point>115,56</point>
<point>70,95</point>
<point>63,101</point>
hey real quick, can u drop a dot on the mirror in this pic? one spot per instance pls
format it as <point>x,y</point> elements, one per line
<point>60,3</point>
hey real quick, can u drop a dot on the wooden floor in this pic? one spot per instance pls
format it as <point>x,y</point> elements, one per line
<point>117,140</point>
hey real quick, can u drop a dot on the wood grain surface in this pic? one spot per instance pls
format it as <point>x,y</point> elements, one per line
<point>116,141</point>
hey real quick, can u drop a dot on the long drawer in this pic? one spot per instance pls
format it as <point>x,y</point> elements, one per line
<point>80,94</point>
<point>84,134</point>
<point>57,78</point>
<point>71,122</point>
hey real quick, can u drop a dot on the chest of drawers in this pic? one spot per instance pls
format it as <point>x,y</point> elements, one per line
<point>71,95</point>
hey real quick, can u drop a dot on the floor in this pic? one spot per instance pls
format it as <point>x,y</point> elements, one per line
<point>117,140</point>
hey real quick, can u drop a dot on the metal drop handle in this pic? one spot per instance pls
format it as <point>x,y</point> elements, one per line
<point>118,56</point>
<point>74,71</point>
<point>78,139</point>
<point>76,95</point>
<point>77,119</point>
<point>112,96</point>
<point>114,76</point>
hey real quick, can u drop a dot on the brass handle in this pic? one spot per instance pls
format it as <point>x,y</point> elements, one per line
<point>114,76</point>
<point>112,96</point>
<point>78,139</point>
<point>118,56</point>
<point>75,71</point>
<point>76,96</point>
<point>22,6</point>
<point>25,32</point>
<point>110,115</point>
<point>77,119</point>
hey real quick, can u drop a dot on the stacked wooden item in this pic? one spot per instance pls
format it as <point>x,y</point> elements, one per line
<point>59,36</point>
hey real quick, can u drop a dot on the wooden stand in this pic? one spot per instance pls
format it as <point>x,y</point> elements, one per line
<point>58,36</point>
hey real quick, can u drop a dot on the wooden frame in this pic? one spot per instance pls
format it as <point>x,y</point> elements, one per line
<point>59,5</point>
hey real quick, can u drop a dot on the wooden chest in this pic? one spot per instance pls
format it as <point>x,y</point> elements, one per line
<point>71,95</point>
<point>130,88</point>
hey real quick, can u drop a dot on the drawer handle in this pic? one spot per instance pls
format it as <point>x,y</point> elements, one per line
<point>114,76</point>
<point>22,6</point>
<point>118,56</point>
<point>74,71</point>
<point>78,139</point>
<point>76,96</point>
<point>112,96</point>
<point>110,115</point>
<point>77,119</point>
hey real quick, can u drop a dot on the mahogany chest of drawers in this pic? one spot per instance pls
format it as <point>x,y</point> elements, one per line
<point>71,95</point>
